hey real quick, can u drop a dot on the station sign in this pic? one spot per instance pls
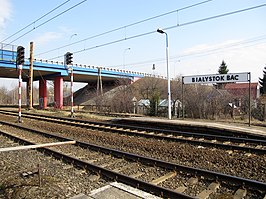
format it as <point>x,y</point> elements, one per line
<point>216,78</point>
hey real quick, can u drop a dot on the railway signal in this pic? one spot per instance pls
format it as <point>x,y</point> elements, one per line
<point>68,58</point>
<point>20,55</point>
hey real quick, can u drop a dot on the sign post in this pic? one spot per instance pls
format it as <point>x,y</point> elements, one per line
<point>249,99</point>
<point>183,109</point>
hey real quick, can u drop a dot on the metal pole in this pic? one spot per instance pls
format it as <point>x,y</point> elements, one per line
<point>168,79</point>
<point>72,93</point>
<point>101,82</point>
<point>19,92</point>
<point>182,88</point>
<point>249,101</point>
<point>31,77</point>
<point>99,90</point>
<point>168,74</point>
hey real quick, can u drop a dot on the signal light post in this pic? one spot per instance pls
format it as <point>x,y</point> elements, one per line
<point>68,61</point>
<point>72,93</point>
<point>20,61</point>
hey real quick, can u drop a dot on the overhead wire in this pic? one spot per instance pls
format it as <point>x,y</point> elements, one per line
<point>203,52</point>
<point>107,44</point>
<point>47,21</point>
<point>167,28</point>
<point>126,26</point>
<point>216,16</point>
<point>35,21</point>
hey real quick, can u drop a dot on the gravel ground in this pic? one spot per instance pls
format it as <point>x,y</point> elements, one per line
<point>236,163</point>
<point>58,180</point>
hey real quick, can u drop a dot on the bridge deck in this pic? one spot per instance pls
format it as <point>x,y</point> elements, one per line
<point>49,69</point>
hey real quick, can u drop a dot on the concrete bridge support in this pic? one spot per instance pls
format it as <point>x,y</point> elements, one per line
<point>58,92</point>
<point>135,79</point>
<point>42,94</point>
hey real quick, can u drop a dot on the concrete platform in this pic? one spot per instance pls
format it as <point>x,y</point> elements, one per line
<point>117,190</point>
<point>238,127</point>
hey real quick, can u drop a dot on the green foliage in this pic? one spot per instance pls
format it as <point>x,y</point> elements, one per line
<point>154,102</point>
<point>223,68</point>
<point>262,82</point>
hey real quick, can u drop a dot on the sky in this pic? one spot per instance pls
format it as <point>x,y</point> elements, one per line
<point>122,34</point>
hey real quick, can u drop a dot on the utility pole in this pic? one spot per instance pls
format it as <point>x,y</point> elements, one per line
<point>99,83</point>
<point>30,86</point>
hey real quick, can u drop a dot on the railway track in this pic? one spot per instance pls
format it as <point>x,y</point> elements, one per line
<point>158,177</point>
<point>252,144</point>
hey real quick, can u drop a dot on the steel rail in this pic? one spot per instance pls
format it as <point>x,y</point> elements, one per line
<point>151,161</point>
<point>244,136</point>
<point>104,127</point>
<point>149,187</point>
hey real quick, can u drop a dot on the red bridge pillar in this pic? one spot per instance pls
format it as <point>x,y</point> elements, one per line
<point>58,92</point>
<point>42,94</point>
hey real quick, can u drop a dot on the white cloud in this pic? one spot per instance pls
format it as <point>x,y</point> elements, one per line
<point>5,14</point>
<point>47,37</point>
<point>66,30</point>
<point>211,48</point>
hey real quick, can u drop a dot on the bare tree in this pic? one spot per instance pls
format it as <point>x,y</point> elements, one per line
<point>207,102</point>
<point>4,97</point>
<point>176,91</point>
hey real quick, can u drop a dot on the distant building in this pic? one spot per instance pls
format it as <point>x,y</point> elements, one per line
<point>241,90</point>
<point>163,107</point>
<point>144,105</point>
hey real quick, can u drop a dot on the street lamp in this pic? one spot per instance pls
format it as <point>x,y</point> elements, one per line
<point>124,57</point>
<point>72,36</point>
<point>159,30</point>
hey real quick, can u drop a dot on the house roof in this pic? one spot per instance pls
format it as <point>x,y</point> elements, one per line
<point>144,102</point>
<point>162,103</point>
<point>240,89</point>
<point>241,86</point>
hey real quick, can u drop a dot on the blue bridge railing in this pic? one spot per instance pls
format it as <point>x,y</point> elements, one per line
<point>8,52</point>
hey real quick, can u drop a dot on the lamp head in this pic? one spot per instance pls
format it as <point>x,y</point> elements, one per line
<point>159,30</point>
